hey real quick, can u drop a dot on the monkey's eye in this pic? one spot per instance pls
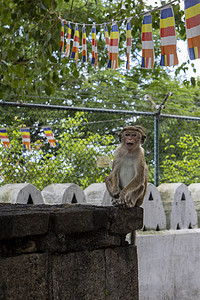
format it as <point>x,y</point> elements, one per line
<point>127,134</point>
<point>134,134</point>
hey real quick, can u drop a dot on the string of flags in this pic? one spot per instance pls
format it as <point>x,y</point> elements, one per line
<point>128,43</point>
<point>49,134</point>
<point>167,32</point>
<point>26,137</point>
<point>94,46</point>
<point>113,47</point>
<point>192,12</point>
<point>147,43</point>
<point>168,37</point>
<point>4,138</point>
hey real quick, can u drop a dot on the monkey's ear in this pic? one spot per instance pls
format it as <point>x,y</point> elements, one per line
<point>143,138</point>
<point>120,137</point>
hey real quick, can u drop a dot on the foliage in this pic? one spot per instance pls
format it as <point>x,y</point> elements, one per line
<point>31,64</point>
<point>33,70</point>
<point>74,160</point>
<point>182,160</point>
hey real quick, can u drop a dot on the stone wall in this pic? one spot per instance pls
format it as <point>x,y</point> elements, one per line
<point>168,206</point>
<point>68,252</point>
<point>64,257</point>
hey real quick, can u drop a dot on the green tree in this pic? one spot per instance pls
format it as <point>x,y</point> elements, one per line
<point>182,164</point>
<point>31,64</point>
<point>74,160</point>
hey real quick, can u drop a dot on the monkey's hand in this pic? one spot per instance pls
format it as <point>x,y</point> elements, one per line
<point>116,194</point>
<point>112,186</point>
<point>115,202</point>
<point>120,202</point>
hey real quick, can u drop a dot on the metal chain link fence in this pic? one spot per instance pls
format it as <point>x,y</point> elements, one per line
<point>87,139</point>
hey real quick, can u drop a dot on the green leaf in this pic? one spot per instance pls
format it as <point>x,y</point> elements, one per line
<point>15,83</point>
<point>48,90</point>
<point>4,54</point>
<point>76,73</point>
<point>53,59</point>
<point>55,78</point>
<point>193,81</point>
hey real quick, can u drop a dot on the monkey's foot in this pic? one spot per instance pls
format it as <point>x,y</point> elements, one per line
<point>116,195</point>
<point>118,203</point>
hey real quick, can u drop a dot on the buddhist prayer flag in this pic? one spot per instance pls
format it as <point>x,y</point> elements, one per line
<point>62,20</point>
<point>94,46</point>
<point>4,138</point>
<point>147,42</point>
<point>69,33</point>
<point>128,43</point>
<point>74,54</point>
<point>106,38</point>
<point>192,19</point>
<point>84,45</point>
<point>26,141</point>
<point>49,134</point>
<point>114,42</point>
<point>168,37</point>
<point>62,38</point>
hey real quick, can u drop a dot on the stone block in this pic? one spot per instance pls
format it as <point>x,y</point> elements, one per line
<point>178,205</point>
<point>79,275</point>
<point>80,219</point>
<point>123,221</point>
<point>20,193</point>
<point>22,220</point>
<point>110,274</point>
<point>63,193</point>
<point>97,194</point>
<point>24,277</point>
<point>68,251</point>
<point>154,214</point>
<point>121,263</point>
<point>194,189</point>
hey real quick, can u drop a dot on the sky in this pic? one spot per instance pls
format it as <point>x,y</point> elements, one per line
<point>182,46</point>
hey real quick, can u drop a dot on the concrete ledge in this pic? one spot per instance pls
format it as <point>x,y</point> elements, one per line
<point>194,189</point>
<point>20,193</point>
<point>61,193</point>
<point>97,194</point>
<point>169,264</point>
<point>178,205</point>
<point>154,214</point>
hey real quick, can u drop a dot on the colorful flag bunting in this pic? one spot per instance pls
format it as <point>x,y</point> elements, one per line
<point>192,18</point>
<point>94,46</point>
<point>49,134</point>
<point>62,38</point>
<point>63,21</point>
<point>107,38</point>
<point>168,37</point>
<point>69,33</point>
<point>147,42</point>
<point>74,54</point>
<point>128,43</point>
<point>4,138</point>
<point>114,42</point>
<point>84,45</point>
<point>26,138</point>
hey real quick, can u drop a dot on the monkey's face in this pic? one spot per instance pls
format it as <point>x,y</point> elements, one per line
<point>131,139</point>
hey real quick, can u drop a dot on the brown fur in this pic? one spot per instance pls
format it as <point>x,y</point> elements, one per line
<point>127,183</point>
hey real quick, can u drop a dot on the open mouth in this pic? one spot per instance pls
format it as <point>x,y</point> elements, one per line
<point>130,144</point>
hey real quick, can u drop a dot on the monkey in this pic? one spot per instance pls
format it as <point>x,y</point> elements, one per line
<point>127,182</point>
